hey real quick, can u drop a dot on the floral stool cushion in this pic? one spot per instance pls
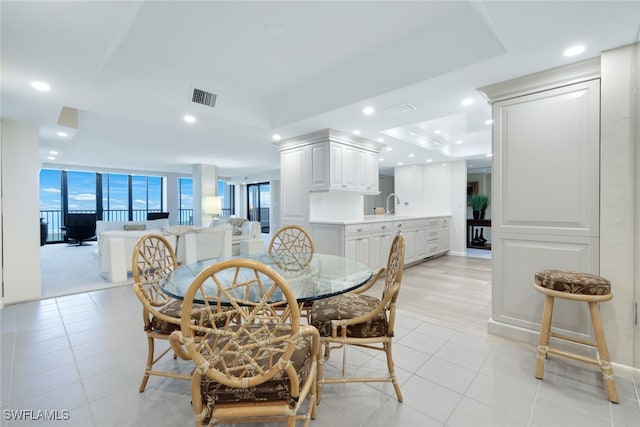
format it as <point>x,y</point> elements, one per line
<point>349,306</point>
<point>573,282</point>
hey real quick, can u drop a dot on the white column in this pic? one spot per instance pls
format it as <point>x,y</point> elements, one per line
<point>20,212</point>
<point>205,184</point>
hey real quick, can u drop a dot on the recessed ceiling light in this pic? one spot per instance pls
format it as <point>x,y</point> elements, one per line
<point>399,163</point>
<point>437,132</point>
<point>458,142</point>
<point>189,118</point>
<point>381,159</point>
<point>368,110</point>
<point>62,134</point>
<point>489,122</point>
<point>489,155</point>
<point>412,155</point>
<point>466,102</point>
<point>574,50</point>
<point>53,152</point>
<point>51,158</point>
<point>41,86</point>
<point>429,160</point>
<point>380,139</point>
<point>276,137</point>
<point>444,164</point>
<point>356,132</point>
<point>389,148</point>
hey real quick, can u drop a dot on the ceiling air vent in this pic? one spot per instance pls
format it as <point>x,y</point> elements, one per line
<point>399,109</point>
<point>203,97</point>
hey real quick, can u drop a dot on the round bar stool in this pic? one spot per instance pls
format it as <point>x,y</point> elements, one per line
<point>575,286</point>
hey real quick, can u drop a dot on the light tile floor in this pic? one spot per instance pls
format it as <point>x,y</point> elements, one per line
<point>85,354</point>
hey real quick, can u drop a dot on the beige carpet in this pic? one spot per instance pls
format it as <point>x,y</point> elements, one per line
<point>71,269</point>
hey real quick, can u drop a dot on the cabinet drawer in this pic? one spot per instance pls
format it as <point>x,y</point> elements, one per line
<point>398,225</point>
<point>382,226</point>
<point>355,229</point>
<point>415,224</point>
<point>433,222</point>
<point>433,233</point>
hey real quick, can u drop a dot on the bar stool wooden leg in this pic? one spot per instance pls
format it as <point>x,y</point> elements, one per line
<point>545,332</point>
<point>603,353</point>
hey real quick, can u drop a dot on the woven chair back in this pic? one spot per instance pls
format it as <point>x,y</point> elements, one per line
<point>395,268</point>
<point>153,260</point>
<point>292,248</point>
<point>254,338</point>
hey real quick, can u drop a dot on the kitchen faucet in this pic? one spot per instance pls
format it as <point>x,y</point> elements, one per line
<point>397,202</point>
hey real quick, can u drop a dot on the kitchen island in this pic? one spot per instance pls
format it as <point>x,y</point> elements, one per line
<point>368,239</point>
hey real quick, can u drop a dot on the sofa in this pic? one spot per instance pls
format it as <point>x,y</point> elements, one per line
<point>246,236</point>
<point>117,241</point>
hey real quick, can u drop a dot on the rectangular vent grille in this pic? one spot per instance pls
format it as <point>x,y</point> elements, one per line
<point>203,97</point>
<point>399,109</point>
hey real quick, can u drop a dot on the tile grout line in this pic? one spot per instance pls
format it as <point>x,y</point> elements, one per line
<point>75,362</point>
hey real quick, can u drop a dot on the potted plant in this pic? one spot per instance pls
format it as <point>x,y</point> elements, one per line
<point>477,201</point>
<point>484,204</point>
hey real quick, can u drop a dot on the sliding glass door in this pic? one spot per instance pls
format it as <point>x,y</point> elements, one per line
<point>259,204</point>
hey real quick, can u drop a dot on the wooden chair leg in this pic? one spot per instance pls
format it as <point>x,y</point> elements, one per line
<point>150,351</point>
<point>545,331</point>
<point>392,372</point>
<point>603,353</point>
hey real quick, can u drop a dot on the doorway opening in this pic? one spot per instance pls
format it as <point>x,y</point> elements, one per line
<point>259,204</point>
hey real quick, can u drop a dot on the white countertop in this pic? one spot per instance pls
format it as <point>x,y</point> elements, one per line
<point>378,218</point>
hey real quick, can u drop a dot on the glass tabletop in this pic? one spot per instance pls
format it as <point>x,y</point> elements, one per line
<point>311,277</point>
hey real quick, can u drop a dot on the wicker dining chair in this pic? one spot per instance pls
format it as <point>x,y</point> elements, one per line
<point>153,260</point>
<point>362,320</point>
<point>259,364</point>
<point>294,246</point>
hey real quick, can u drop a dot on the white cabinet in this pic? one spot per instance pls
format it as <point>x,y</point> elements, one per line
<point>544,219</point>
<point>382,234</point>
<point>370,242</point>
<point>415,234</point>
<point>341,167</point>
<point>357,244</point>
<point>367,171</point>
<point>294,186</point>
<point>437,236</point>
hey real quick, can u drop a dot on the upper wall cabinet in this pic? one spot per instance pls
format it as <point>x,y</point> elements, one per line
<point>338,161</point>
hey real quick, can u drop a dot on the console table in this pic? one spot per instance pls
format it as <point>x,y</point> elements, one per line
<point>472,224</point>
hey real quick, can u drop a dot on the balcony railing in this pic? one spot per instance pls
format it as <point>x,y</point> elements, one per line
<point>55,221</point>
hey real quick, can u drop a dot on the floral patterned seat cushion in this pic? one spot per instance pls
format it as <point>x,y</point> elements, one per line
<point>173,309</point>
<point>573,282</point>
<point>277,388</point>
<point>349,306</point>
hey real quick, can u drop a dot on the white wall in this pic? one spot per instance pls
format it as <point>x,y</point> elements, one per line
<point>322,206</point>
<point>458,223</point>
<point>20,212</point>
<point>274,212</point>
<point>617,182</point>
<point>171,198</point>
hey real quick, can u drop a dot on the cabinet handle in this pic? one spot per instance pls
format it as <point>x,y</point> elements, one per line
<point>344,185</point>
<point>384,227</point>
<point>359,230</point>
<point>399,225</point>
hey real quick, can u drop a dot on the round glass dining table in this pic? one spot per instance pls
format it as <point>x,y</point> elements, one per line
<point>311,277</point>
